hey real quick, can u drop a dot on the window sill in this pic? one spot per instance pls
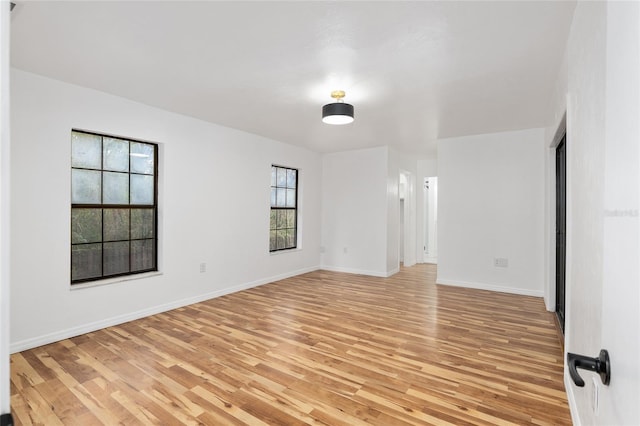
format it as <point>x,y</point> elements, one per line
<point>109,281</point>
<point>279,252</point>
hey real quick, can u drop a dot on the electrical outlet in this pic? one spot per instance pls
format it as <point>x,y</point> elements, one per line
<point>203,267</point>
<point>345,250</point>
<point>501,262</point>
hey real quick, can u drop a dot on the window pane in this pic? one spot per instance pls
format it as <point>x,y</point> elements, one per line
<point>272,219</point>
<point>86,225</point>
<point>85,187</point>
<point>273,197</point>
<point>86,150</point>
<point>291,219</point>
<point>281,177</point>
<point>116,155</point>
<point>116,258</point>
<point>86,261</point>
<point>281,238</point>
<point>281,197</point>
<point>116,224</point>
<point>116,188</point>
<point>142,160</point>
<point>291,197</point>
<point>291,238</point>
<point>291,178</point>
<point>142,223</point>
<point>281,219</point>
<point>273,175</point>
<point>142,256</point>
<point>272,240</point>
<point>142,189</point>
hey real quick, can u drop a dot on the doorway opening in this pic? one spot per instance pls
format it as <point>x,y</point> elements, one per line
<point>407,219</point>
<point>561,229</point>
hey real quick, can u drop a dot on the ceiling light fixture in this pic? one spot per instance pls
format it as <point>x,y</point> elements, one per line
<point>337,112</point>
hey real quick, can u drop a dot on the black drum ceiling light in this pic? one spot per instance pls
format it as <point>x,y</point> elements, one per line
<point>337,112</point>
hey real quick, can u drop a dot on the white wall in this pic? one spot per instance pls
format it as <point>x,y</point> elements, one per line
<point>491,205</point>
<point>602,295</point>
<point>427,167</point>
<point>393,214</point>
<point>431,242</point>
<point>361,211</point>
<point>214,208</point>
<point>354,211</point>
<point>557,124</point>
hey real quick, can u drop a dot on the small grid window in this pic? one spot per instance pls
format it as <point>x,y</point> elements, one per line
<point>283,227</point>
<point>113,207</point>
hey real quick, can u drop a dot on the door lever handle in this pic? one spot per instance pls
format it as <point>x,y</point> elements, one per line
<point>600,365</point>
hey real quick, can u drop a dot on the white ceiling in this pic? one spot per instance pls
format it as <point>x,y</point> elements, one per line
<point>414,71</point>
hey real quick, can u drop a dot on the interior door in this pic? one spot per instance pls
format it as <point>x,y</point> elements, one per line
<point>619,403</point>
<point>5,398</point>
<point>561,228</point>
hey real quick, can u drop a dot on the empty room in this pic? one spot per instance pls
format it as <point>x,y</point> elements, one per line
<point>319,212</point>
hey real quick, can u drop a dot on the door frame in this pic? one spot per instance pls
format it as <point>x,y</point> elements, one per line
<point>550,250</point>
<point>561,319</point>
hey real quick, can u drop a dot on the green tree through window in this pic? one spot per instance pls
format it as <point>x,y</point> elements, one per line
<point>113,206</point>
<point>283,228</point>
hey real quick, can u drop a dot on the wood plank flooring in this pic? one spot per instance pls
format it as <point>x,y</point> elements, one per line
<point>321,348</point>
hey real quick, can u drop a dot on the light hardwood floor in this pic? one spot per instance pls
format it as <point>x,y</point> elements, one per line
<point>321,348</point>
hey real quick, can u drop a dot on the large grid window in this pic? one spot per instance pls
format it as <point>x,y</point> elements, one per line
<point>283,224</point>
<point>113,206</point>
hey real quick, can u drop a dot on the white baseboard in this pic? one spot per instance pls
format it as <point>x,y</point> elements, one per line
<point>359,271</point>
<point>393,272</point>
<point>121,319</point>
<point>491,287</point>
